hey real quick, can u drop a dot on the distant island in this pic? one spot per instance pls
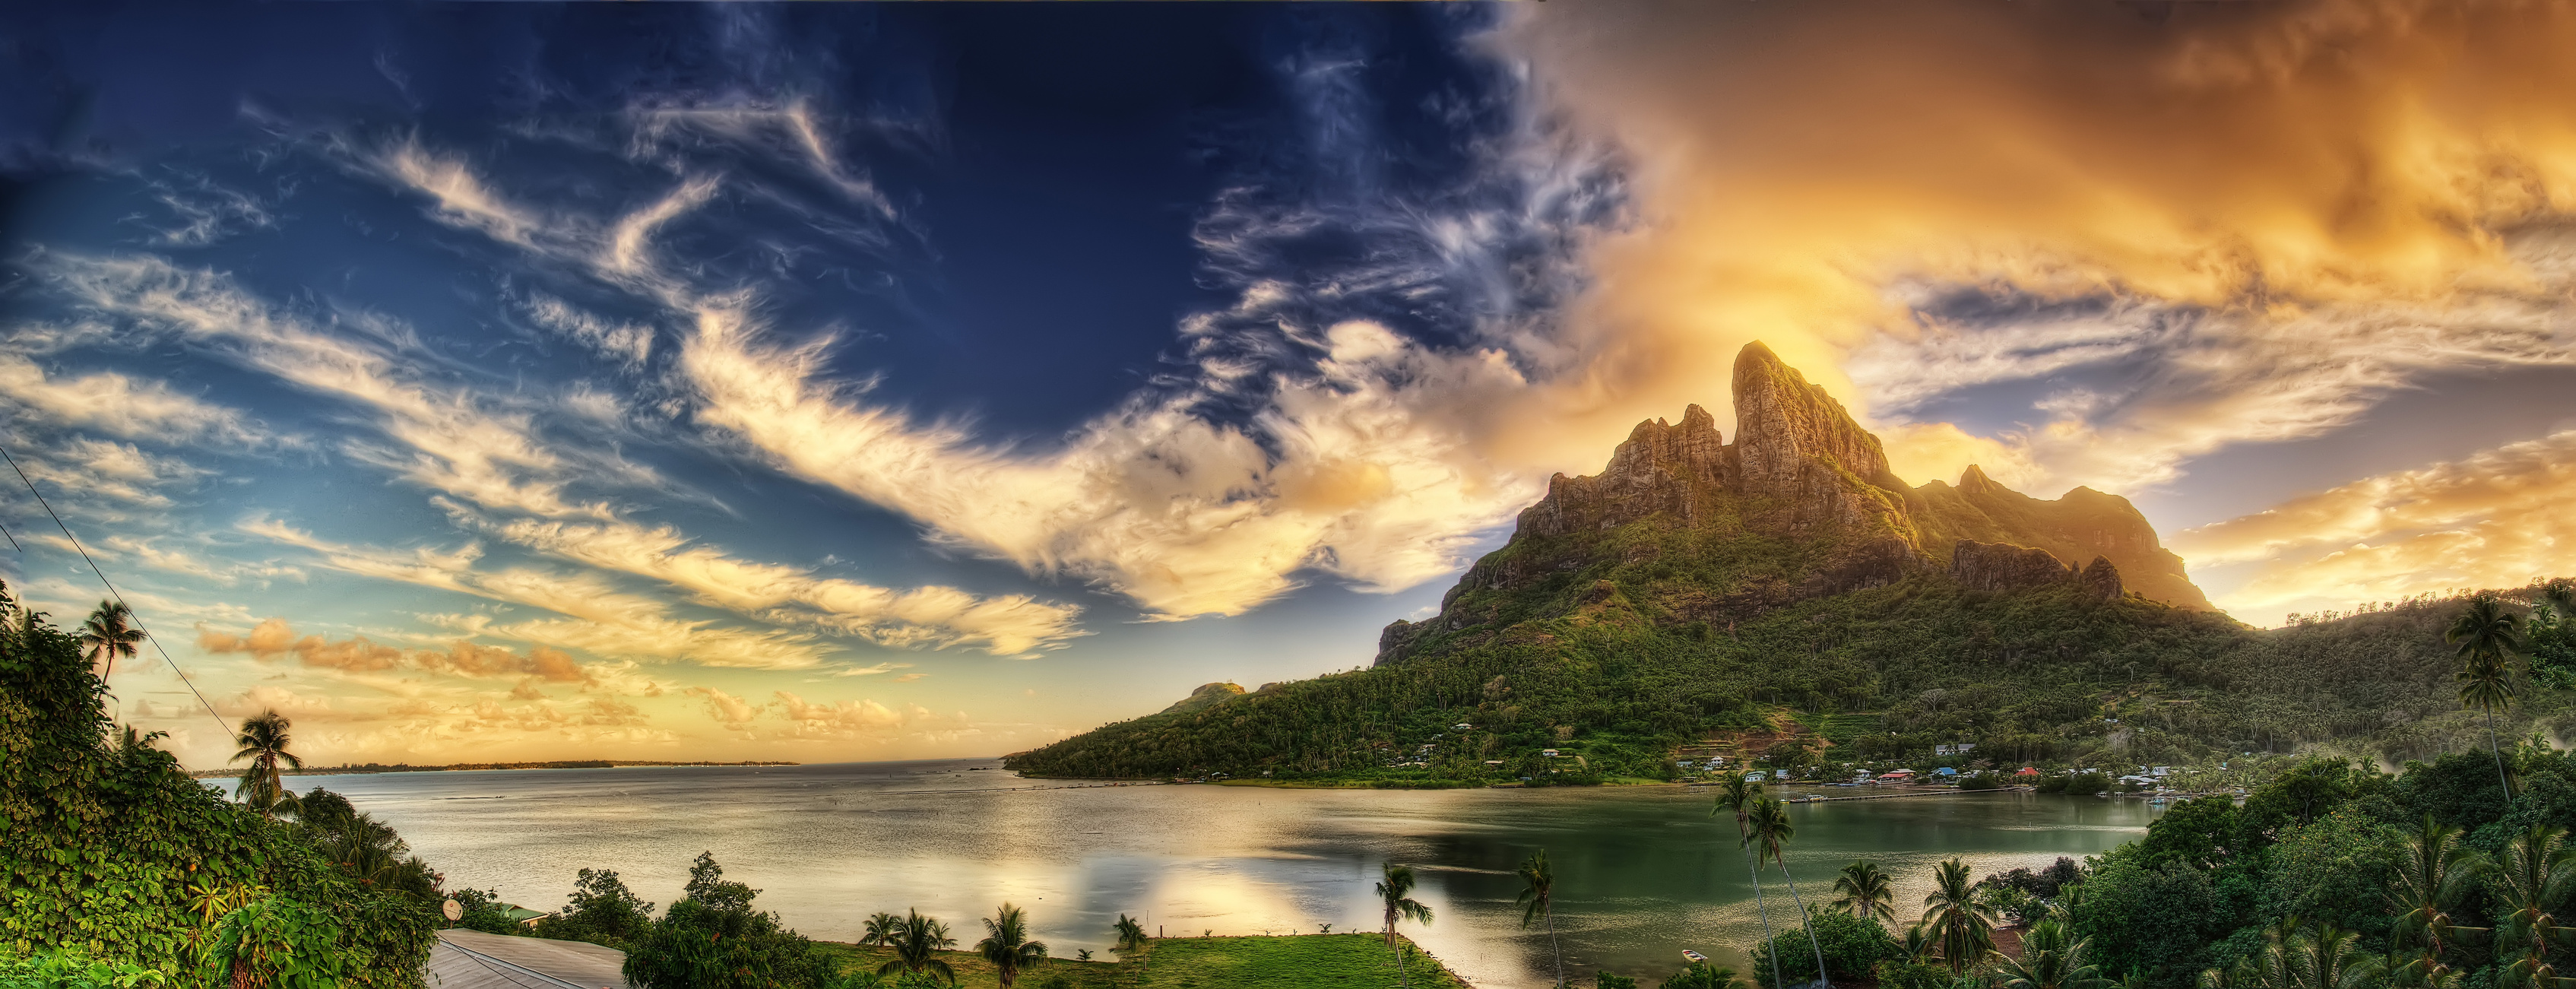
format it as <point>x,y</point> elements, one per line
<point>400,767</point>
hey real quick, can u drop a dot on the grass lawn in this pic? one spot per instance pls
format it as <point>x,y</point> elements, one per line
<point>973,972</point>
<point>1305,961</point>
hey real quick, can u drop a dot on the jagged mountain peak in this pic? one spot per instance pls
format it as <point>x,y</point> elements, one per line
<point>1801,505</point>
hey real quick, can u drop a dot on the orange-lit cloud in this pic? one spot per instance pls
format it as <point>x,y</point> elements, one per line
<point>2289,209</point>
<point>2497,518</point>
<point>273,639</point>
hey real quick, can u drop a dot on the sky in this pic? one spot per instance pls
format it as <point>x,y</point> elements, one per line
<point>830,382</point>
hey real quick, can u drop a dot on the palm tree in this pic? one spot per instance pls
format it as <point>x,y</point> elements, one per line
<point>1866,892</point>
<point>1963,927</point>
<point>1395,890</point>
<point>1736,793</point>
<point>1770,832</point>
<point>2533,880</point>
<point>881,930</point>
<point>1131,939</point>
<point>1006,944</point>
<point>263,740</point>
<point>108,636</point>
<point>1537,900</point>
<point>2051,958</point>
<point>2332,959</point>
<point>2436,872</point>
<point>916,946</point>
<point>2488,637</point>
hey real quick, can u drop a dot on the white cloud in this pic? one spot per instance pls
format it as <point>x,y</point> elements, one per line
<point>2496,518</point>
<point>119,405</point>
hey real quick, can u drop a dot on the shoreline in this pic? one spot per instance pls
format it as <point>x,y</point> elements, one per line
<point>473,767</point>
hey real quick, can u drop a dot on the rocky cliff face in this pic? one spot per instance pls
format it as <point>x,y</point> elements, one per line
<point>1801,505</point>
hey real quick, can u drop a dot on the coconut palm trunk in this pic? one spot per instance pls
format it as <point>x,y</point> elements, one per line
<point>1754,867</point>
<point>1821,978</point>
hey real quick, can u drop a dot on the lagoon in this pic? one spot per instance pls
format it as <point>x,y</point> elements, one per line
<point>1642,872</point>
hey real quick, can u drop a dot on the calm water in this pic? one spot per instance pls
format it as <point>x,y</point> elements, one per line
<point>1642,872</point>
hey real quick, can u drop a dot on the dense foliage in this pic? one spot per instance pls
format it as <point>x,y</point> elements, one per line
<point>713,939</point>
<point>112,852</point>
<point>1616,684</point>
<point>2312,868</point>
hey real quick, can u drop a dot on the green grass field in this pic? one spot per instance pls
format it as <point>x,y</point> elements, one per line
<point>1308,961</point>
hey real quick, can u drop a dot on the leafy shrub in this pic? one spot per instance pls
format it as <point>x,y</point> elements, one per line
<point>111,851</point>
<point>71,968</point>
<point>1702,975</point>
<point>601,910</point>
<point>1905,974</point>
<point>713,939</point>
<point>1852,946</point>
<point>1606,980</point>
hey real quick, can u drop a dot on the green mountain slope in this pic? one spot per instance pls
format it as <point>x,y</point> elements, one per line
<point>1702,593</point>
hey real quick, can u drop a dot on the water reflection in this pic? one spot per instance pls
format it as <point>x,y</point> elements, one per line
<point>1641,872</point>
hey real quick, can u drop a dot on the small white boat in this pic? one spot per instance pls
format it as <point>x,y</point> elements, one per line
<point>1695,957</point>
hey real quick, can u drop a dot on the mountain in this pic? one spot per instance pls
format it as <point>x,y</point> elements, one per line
<point>1786,596</point>
<point>1800,506</point>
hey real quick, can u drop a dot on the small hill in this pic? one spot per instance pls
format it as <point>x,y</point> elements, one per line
<point>1699,594</point>
<point>1208,695</point>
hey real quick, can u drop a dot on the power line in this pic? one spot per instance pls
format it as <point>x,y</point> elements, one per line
<point>112,592</point>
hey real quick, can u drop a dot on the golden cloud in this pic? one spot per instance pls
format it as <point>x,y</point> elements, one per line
<point>2494,519</point>
<point>2294,207</point>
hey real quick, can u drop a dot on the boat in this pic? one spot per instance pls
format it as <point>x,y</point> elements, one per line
<point>1695,957</point>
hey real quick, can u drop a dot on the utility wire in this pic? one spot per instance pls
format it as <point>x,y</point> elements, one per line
<point>112,592</point>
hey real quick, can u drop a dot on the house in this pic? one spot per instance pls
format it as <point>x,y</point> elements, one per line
<point>1896,776</point>
<point>1462,728</point>
<point>1945,771</point>
<point>1493,762</point>
<point>2027,773</point>
<point>1550,753</point>
<point>1963,748</point>
<point>1779,774</point>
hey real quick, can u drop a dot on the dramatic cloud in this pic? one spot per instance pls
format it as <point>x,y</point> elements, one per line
<point>1186,516</point>
<point>1012,625</point>
<point>272,639</point>
<point>2495,519</point>
<point>117,404</point>
<point>2243,222</point>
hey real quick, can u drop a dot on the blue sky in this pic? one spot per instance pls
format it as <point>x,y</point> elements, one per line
<point>831,382</point>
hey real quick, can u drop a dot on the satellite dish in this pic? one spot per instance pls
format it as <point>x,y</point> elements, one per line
<point>455,911</point>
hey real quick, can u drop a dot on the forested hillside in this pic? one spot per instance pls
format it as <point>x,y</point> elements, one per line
<point>1786,585</point>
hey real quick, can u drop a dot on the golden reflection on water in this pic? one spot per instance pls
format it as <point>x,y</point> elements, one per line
<point>1642,872</point>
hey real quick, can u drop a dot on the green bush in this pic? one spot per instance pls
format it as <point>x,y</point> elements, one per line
<point>70,968</point>
<point>1852,946</point>
<point>713,939</point>
<point>601,910</point>
<point>1702,975</point>
<point>1605,980</point>
<point>1903,974</point>
<point>111,851</point>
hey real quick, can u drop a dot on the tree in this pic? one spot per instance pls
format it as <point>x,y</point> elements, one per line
<point>2530,883</point>
<point>713,938</point>
<point>881,929</point>
<point>1853,949</point>
<point>1537,901</point>
<point>264,740</point>
<point>2435,873</point>
<point>1737,794</point>
<point>916,946</point>
<point>1865,892</point>
<point>108,636</point>
<point>1006,944</point>
<point>1963,928</point>
<point>2488,637</point>
<point>1770,831</point>
<point>2331,958</point>
<point>2051,958</point>
<point>601,910</point>
<point>1395,890</point>
<point>1702,975</point>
